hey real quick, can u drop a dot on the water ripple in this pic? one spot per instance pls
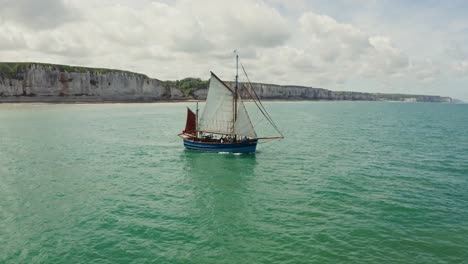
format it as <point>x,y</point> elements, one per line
<point>351,183</point>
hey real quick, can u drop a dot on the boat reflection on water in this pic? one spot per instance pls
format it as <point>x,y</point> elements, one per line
<point>221,190</point>
<point>219,166</point>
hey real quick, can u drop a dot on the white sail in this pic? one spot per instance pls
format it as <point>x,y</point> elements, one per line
<point>243,126</point>
<point>217,116</point>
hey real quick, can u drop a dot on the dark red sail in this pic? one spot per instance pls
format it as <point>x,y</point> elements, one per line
<point>191,124</point>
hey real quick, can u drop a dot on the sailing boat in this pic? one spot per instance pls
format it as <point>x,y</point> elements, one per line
<point>224,125</point>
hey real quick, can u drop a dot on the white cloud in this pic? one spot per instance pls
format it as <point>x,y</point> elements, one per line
<point>327,53</point>
<point>289,43</point>
<point>36,14</point>
<point>386,59</point>
<point>11,38</point>
<point>461,68</point>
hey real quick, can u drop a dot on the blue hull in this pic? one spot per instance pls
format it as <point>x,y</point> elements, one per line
<point>238,147</point>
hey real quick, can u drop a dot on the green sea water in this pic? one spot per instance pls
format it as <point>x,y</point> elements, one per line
<point>352,182</point>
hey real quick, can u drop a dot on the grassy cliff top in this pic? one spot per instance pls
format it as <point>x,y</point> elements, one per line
<point>10,69</point>
<point>187,85</point>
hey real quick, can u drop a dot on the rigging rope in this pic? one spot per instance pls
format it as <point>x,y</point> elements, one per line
<point>258,99</point>
<point>259,104</point>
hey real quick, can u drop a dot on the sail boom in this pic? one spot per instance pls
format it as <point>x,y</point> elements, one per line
<point>270,138</point>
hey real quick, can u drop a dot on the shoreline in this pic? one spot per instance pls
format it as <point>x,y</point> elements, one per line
<point>188,101</point>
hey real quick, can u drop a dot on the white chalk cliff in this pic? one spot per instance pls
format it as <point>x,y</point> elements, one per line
<point>37,82</point>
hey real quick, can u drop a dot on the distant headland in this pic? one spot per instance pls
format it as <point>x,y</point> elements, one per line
<point>40,82</point>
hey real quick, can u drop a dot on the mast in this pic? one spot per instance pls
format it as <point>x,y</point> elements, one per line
<point>196,122</point>
<point>236,89</point>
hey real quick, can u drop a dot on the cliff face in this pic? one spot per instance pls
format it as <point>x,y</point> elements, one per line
<point>289,92</point>
<point>38,82</point>
<point>270,91</point>
<point>23,82</point>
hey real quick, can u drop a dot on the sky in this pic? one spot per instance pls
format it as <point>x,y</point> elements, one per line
<point>391,46</point>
